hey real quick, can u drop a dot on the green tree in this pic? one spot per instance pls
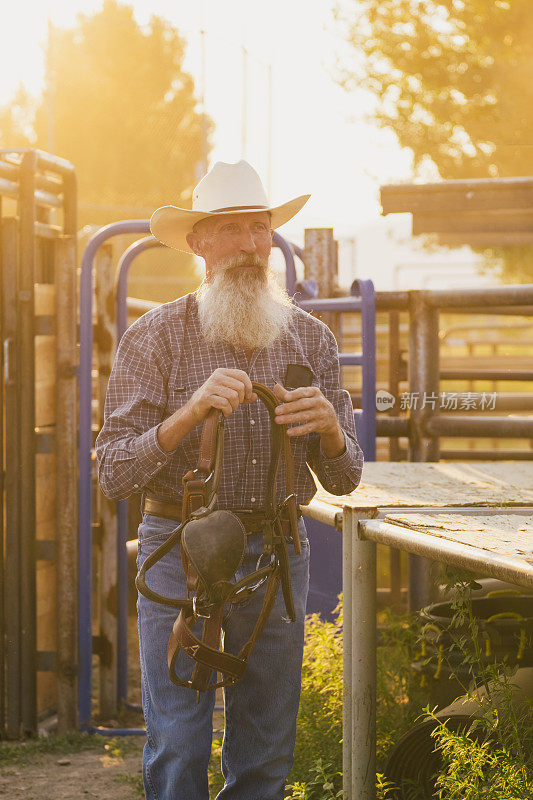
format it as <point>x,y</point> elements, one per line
<point>119,105</point>
<point>453,79</point>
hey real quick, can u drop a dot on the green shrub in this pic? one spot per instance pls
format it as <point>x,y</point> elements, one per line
<point>477,770</point>
<point>318,755</point>
<point>319,737</point>
<point>496,763</point>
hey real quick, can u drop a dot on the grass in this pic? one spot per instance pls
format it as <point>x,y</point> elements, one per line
<point>29,751</point>
<point>134,781</point>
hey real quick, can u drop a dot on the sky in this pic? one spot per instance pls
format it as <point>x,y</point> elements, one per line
<point>320,142</point>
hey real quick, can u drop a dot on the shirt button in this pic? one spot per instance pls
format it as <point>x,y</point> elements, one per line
<point>135,485</point>
<point>252,499</point>
<point>159,463</point>
<point>252,422</point>
<point>254,460</point>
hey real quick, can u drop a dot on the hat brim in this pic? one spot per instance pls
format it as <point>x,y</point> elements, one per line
<point>171,224</point>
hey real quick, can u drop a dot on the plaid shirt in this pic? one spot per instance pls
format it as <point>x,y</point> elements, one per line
<point>162,359</point>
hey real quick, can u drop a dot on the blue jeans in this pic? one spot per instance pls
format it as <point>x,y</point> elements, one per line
<point>261,709</point>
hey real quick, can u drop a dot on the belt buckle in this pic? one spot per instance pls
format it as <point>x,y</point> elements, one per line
<point>196,612</point>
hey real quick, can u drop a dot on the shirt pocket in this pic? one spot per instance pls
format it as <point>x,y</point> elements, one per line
<point>297,360</point>
<point>177,396</point>
<point>179,392</point>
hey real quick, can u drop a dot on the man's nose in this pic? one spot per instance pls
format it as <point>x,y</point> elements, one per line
<point>248,243</point>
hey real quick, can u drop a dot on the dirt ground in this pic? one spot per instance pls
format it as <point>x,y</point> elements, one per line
<point>81,766</point>
<point>70,776</point>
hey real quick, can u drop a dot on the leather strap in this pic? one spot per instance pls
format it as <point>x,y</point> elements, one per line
<point>206,653</point>
<point>252,520</point>
<point>161,508</point>
<point>274,521</point>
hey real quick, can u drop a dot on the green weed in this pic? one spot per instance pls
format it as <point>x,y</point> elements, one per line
<point>318,754</point>
<point>29,750</point>
<point>493,759</point>
<point>135,781</point>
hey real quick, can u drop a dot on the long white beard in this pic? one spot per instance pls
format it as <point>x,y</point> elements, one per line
<point>243,306</point>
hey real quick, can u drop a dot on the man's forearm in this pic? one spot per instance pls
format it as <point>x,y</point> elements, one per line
<point>333,444</point>
<point>175,428</point>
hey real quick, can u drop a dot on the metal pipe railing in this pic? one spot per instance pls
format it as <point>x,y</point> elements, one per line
<point>484,562</point>
<point>506,427</point>
<point>492,295</point>
<point>477,374</point>
<point>85,460</point>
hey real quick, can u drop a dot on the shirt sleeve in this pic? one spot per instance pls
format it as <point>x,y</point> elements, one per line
<point>127,449</point>
<point>339,475</point>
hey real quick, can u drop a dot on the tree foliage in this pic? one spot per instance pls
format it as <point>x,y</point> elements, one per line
<point>452,78</point>
<point>119,105</point>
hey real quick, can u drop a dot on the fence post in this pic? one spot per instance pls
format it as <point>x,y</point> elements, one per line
<point>320,265</point>
<point>359,712</point>
<point>105,341</point>
<point>319,259</point>
<point>26,311</point>
<point>423,374</point>
<point>66,482</point>
<point>12,498</point>
<point>423,382</point>
<point>2,490</point>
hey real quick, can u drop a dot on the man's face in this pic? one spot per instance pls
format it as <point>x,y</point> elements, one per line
<point>219,239</point>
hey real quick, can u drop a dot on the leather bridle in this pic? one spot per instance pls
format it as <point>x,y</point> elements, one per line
<point>213,543</point>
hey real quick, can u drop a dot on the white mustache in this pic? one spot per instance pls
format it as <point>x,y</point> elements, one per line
<point>244,260</point>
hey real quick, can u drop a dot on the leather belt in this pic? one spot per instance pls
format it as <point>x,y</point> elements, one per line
<point>252,520</point>
<point>161,508</point>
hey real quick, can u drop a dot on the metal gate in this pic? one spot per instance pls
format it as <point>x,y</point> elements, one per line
<point>37,441</point>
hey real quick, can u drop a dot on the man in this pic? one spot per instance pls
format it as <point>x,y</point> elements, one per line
<point>174,364</point>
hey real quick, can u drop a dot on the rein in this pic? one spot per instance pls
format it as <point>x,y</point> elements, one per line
<point>213,543</point>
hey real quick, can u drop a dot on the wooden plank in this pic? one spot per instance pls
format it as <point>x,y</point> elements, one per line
<point>506,534</point>
<point>45,489</point>
<point>46,692</point>
<point>488,239</point>
<point>46,531</point>
<point>496,361</point>
<point>458,195</point>
<point>387,484</point>
<point>46,576</point>
<point>45,380</point>
<point>474,222</point>
<point>45,377</point>
<point>44,298</point>
<point>46,605</point>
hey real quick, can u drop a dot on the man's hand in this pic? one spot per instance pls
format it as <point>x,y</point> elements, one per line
<point>311,412</point>
<point>225,389</point>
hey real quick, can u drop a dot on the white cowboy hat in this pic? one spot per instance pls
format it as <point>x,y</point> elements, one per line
<point>226,189</point>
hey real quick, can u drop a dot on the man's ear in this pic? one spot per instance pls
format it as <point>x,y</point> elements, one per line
<point>195,243</point>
